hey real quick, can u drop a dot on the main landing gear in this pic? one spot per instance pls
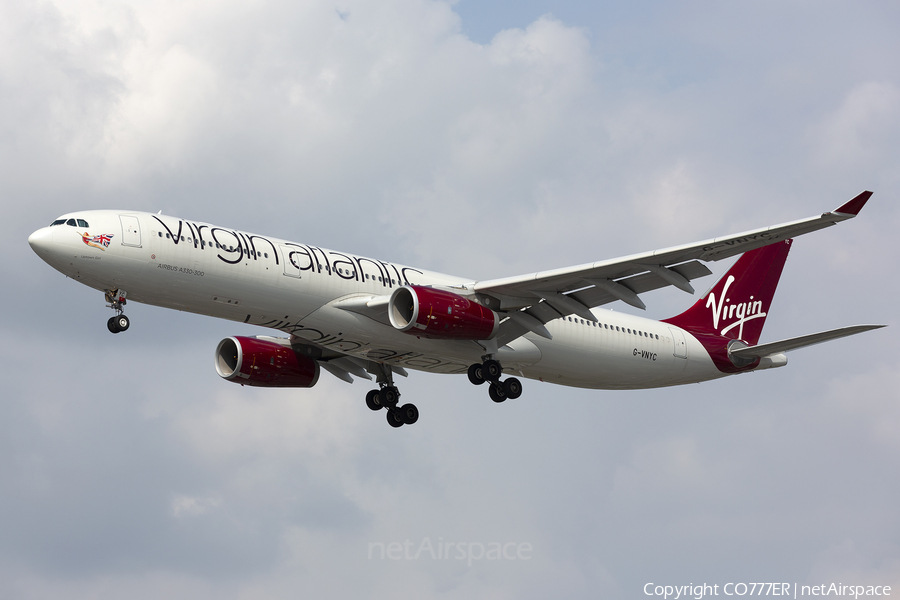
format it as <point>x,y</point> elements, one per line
<point>490,371</point>
<point>116,300</point>
<point>388,397</point>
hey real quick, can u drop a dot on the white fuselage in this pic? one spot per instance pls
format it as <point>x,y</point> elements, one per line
<point>297,289</point>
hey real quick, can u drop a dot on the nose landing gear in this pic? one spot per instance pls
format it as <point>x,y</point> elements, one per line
<point>490,371</point>
<point>118,324</point>
<point>116,300</point>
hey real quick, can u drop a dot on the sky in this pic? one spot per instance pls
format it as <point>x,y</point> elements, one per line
<point>484,139</point>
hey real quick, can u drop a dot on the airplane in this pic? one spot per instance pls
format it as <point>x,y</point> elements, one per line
<point>361,317</point>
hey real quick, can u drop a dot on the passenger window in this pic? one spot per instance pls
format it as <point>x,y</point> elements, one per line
<point>83,223</point>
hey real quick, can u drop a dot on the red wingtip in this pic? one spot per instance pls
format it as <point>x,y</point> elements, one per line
<point>854,206</point>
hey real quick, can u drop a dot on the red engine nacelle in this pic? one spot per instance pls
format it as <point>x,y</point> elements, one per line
<point>264,363</point>
<point>439,314</point>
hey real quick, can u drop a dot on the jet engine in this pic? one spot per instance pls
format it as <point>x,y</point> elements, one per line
<point>439,314</point>
<point>264,363</point>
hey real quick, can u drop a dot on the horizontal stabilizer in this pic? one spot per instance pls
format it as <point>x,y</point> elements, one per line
<point>763,350</point>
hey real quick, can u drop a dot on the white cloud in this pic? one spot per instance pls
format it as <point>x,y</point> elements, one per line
<point>187,506</point>
<point>862,128</point>
<point>130,469</point>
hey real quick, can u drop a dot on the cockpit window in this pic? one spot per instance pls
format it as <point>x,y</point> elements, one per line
<point>71,223</point>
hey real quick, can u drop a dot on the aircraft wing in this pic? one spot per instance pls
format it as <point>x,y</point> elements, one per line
<point>537,298</point>
<point>339,364</point>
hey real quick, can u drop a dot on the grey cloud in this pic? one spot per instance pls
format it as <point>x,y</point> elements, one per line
<point>129,469</point>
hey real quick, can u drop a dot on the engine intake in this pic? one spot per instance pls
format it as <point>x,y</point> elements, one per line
<point>264,363</point>
<point>440,314</point>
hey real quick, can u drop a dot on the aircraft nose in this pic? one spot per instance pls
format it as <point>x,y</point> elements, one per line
<point>41,240</point>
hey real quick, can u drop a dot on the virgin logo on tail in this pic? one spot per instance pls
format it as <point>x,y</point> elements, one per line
<point>751,281</point>
<point>723,311</point>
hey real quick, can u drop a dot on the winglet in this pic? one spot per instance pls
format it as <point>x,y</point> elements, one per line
<point>854,206</point>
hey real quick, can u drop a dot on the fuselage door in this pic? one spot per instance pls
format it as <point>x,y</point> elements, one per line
<point>292,261</point>
<point>680,345</point>
<point>131,231</point>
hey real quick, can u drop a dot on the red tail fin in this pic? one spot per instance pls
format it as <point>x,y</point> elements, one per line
<point>736,307</point>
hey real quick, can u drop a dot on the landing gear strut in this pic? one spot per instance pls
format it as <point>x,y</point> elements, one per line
<point>388,397</point>
<point>490,371</point>
<point>116,300</point>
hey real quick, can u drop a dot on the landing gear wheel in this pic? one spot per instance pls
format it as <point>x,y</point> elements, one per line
<point>496,393</point>
<point>475,376</point>
<point>393,418</point>
<point>111,325</point>
<point>388,396</point>
<point>122,323</point>
<point>372,400</point>
<point>491,370</point>
<point>409,413</point>
<point>512,388</point>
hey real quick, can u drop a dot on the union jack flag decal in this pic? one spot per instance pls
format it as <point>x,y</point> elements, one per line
<point>98,241</point>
